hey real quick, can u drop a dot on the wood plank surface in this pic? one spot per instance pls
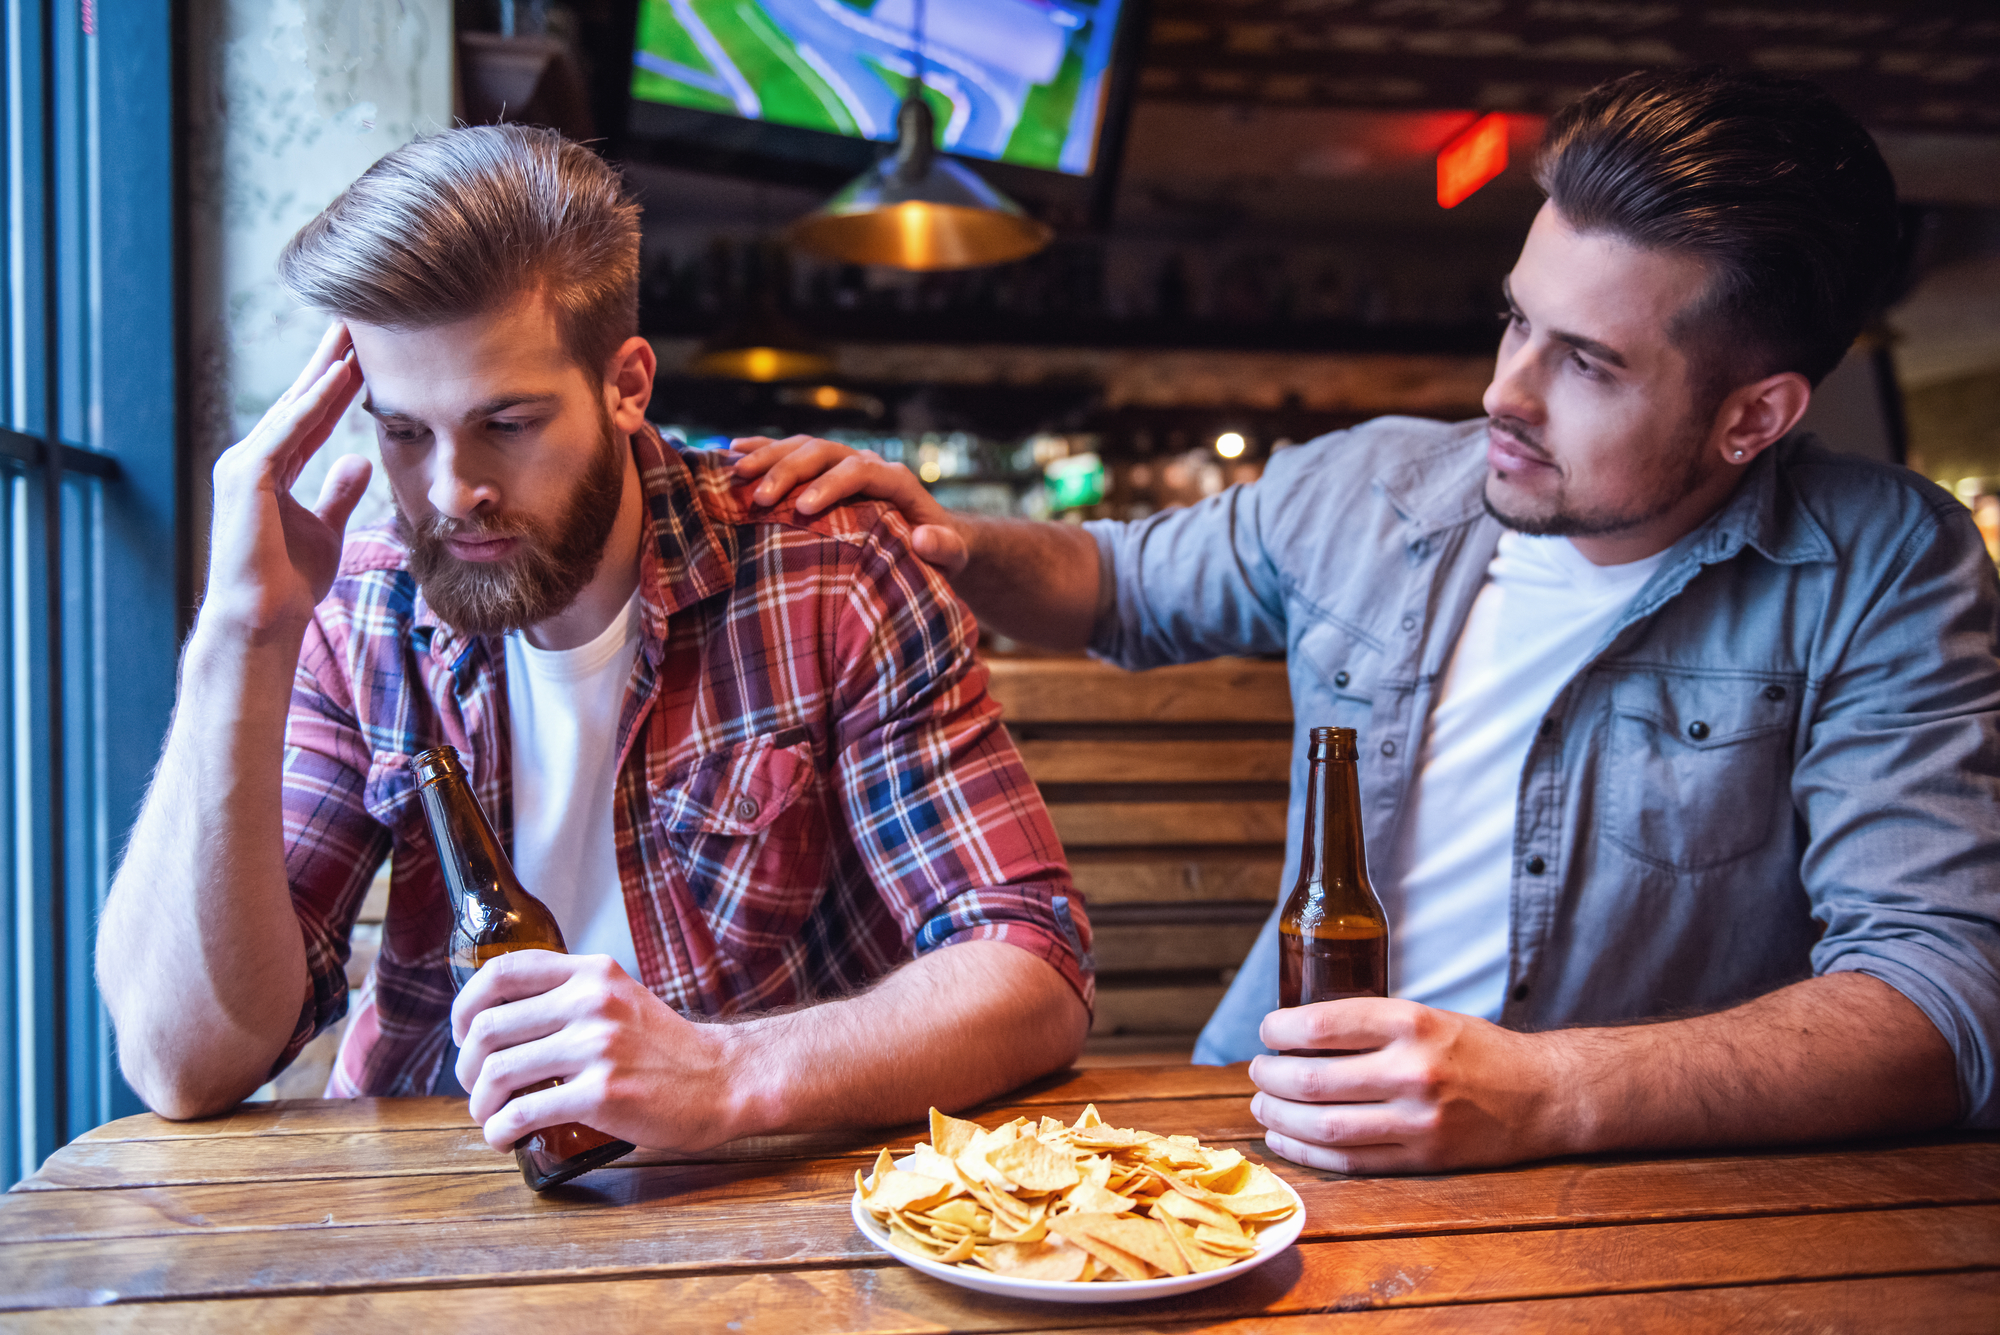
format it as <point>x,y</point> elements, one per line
<point>1546,1195</point>
<point>297,1116</point>
<point>1153,1010</point>
<point>1080,690</point>
<point>1248,761</point>
<point>1945,1304</point>
<point>1123,877</point>
<point>730,1265</point>
<point>306,1155</point>
<point>1128,824</point>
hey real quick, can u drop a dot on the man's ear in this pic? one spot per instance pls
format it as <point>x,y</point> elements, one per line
<point>1757,415</point>
<point>628,384</point>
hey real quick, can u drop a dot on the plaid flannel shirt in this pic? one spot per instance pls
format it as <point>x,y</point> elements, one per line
<point>812,782</point>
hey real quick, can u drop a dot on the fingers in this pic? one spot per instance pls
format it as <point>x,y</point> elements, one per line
<point>346,483</point>
<point>506,1103</point>
<point>941,546</point>
<point>515,976</point>
<point>1366,1078</point>
<point>333,345</point>
<point>291,431</point>
<point>802,462</point>
<point>1341,1125</point>
<point>761,452</point>
<point>1357,1022</point>
<point>1355,1160</point>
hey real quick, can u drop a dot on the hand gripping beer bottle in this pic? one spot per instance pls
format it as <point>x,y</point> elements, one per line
<point>491,915</point>
<point>1333,938</point>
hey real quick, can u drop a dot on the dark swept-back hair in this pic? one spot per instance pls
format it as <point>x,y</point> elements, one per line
<point>1779,193</point>
<point>461,223</point>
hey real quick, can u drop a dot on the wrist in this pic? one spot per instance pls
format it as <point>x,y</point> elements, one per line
<point>752,1079</point>
<point>1568,1118</point>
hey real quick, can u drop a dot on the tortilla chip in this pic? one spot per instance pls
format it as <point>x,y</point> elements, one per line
<point>1144,1238</point>
<point>1091,1198</point>
<point>1194,1211</point>
<point>1124,1263</point>
<point>1052,1259</point>
<point>950,1134</point>
<point>897,1190</point>
<point>1032,1164</point>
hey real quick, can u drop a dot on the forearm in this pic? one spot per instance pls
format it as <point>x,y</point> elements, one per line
<point>1033,582</point>
<point>199,953</point>
<point>958,1025</point>
<point>1835,1056</point>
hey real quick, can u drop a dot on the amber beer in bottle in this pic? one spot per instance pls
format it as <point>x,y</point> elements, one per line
<point>1333,938</point>
<point>491,915</point>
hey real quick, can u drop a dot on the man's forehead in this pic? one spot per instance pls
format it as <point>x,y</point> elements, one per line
<point>484,364</point>
<point>1601,288</point>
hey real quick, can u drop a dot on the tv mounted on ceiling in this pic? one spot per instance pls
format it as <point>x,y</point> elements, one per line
<point>807,90</point>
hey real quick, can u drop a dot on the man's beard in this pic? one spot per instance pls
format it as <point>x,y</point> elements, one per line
<point>1676,480</point>
<point>543,576</point>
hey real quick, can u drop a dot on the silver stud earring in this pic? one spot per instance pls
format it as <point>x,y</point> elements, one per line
<point>1739,454</point>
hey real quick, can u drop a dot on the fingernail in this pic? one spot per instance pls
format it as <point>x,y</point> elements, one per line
<point>809,501</point>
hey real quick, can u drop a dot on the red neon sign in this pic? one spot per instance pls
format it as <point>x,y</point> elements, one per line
<point>1473,157</point>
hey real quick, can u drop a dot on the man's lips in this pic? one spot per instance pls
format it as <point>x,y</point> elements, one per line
<point>1509,455</point>
<point>481,549</point>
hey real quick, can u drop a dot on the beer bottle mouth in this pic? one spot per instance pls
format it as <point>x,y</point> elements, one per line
<point>438,762</point>
<point>1333,744</point>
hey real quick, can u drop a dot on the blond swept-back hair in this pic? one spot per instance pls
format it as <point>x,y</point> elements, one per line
<point>461,223</point>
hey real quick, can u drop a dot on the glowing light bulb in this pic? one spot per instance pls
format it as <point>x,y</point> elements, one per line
<point>1230,444</point>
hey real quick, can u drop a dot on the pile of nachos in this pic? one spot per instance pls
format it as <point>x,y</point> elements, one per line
<point>1074,1203</point>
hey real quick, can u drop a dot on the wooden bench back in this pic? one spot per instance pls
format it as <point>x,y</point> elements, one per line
<point>1169,791</point>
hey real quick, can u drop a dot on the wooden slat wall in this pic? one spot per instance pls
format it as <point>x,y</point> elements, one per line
<point>1169,791</point>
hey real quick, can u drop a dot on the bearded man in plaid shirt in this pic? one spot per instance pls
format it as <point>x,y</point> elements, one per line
<point>747,757</point>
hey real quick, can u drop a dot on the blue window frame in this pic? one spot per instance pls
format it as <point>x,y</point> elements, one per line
<point>93,567</point>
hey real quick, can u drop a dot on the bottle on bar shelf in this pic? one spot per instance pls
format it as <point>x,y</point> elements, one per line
<point>1333,938</point>
<point>493,914</point>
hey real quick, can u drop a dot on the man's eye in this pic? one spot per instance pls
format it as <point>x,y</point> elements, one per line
<point>507,428</point>
<point>1512,319</point>
<point>402,435</point>
<point>1584,367</point>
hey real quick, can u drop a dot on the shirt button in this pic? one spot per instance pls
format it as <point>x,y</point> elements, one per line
<point>1520,992</point>
<point>1340,679</point>
<point>1774,692</point>
<point>1388,748</point>
<point>1536,866</point>
<point>746,810</point>
<point>1698,730</point>
<point>1409,623</point>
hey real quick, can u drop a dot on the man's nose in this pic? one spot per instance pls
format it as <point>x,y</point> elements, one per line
<point>456,491</point>
<point>1515,390</point>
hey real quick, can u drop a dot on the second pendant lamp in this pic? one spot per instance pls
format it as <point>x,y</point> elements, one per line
<point>916,208</point>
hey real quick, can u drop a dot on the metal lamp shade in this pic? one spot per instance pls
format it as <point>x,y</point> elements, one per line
<point>762,346</point>
<point>945,219</point>
<point>919,210</point>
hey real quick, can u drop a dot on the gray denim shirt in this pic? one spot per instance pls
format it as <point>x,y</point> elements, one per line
<point>1781,761</point>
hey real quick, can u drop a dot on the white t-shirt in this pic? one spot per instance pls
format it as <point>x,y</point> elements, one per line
<point>562,707</point>
<point>1448,893</point>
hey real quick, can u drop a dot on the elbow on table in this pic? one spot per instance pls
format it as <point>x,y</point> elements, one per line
<point>183,1090</point>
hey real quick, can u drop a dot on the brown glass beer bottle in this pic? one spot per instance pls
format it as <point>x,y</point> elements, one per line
<point>491,915</point>
<point>1333,938</point>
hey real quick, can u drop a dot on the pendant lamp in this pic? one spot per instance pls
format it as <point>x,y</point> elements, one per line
<point>763,345</point>
<point>917,209</point>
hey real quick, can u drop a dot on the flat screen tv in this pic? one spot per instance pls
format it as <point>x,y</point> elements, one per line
<point>1034,84</point>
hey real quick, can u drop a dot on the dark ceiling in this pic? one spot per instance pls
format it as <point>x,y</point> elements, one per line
<point>1894,63</point>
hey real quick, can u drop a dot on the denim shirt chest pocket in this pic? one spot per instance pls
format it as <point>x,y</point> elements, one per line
<point>748,826</point>
<point>1339,666</point>
<point>1686,751</point>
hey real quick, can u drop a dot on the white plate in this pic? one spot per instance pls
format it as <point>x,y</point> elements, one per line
<point>1271,1239</point>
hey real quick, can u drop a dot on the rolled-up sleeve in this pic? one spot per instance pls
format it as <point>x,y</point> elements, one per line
<point>1899,786</point>
<point>954,833</point>
<point>332,845</point>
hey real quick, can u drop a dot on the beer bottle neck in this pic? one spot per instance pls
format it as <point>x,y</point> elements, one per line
<point>475,866</point>
<point>1334,855</point>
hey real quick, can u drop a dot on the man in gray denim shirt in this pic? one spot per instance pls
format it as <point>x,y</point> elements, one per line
<point>1762,811</point>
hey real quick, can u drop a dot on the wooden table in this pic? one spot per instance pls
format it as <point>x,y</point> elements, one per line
<point>393,1215</point>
